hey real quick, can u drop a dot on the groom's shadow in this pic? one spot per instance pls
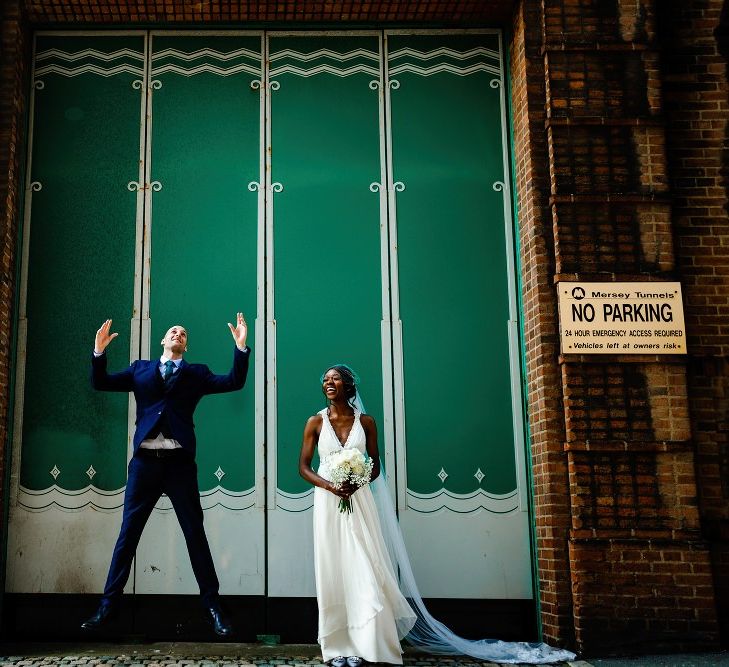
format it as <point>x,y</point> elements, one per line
<point>182,618</point>
<point>171,618</point>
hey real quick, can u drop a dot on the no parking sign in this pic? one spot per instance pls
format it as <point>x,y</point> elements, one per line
<point>621,318</point>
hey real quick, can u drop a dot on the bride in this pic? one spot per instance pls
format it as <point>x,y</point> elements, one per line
<point>364,607</point>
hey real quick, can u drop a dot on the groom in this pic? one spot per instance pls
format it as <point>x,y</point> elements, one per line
<point>167,391</point>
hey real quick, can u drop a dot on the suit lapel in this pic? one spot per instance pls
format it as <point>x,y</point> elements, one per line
<point>151,374</point>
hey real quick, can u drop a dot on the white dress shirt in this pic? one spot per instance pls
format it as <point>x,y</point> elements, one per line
<point>160,442</point>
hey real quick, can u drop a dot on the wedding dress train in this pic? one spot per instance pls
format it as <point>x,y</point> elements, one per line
<point>364,607</point>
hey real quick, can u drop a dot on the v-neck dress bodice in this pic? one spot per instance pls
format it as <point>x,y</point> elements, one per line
<point>329,442</point>
<point>360,604</point>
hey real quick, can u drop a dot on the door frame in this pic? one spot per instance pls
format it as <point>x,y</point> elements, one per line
<point>264,355</point>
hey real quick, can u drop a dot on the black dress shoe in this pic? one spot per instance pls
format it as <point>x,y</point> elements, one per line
<point>105,613</point>
<point>221,625</point>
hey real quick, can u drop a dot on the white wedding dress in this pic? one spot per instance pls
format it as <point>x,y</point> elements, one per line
<point>361,609</point>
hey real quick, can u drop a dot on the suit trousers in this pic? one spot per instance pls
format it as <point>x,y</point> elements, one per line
<point>150,477</point>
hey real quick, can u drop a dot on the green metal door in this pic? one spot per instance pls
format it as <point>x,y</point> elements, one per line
<point>203,267</point>
<point>80,253</point>
<point>349,193</point>
<point>458,428</point>
<point>326,298</point>
<point>139,212</point>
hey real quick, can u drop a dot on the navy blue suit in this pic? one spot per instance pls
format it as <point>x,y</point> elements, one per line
<point>165,408</point>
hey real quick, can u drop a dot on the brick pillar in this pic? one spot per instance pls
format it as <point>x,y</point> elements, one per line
<point>695,40</point>
<point>638,566</point>
<point>12,118</point>
<point>544,396</point>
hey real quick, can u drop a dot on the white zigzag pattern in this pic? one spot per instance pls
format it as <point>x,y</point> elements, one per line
<point>212,53</point>
<point>294,502</point>
<point>176,69</point>
<point>324,53</point>
<point>444,67</point>
<point>55,497</point>
<point>230,500</point>
<point>70,500</point>
<point>463,503</point>
<point>88,53</point>
<point>450,53</point>
<point>88,69</point>
<point>325,69</point>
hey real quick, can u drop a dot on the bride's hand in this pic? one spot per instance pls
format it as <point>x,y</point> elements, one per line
<point>344,492</point>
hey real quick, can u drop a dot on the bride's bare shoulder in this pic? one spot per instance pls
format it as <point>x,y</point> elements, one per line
<point>367,420</point>
<point>313,424</point>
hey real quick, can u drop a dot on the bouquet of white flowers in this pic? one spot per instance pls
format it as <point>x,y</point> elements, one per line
<point>348,465</point>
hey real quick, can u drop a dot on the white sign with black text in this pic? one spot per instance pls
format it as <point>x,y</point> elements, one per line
<point>621,318</point>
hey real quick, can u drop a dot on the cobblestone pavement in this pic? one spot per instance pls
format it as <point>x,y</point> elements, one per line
<point>198,655</point>
<point>720,659</point>
<point>181,654</point>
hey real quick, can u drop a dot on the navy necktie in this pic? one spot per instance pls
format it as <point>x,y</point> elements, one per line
<point>169,371</point>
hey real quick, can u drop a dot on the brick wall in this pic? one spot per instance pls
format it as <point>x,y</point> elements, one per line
<point>695,41</point>
<point>635,594</point>
<point>596,201</point>
<point>451,12</point>
<point>546,421</point>
<point>12,59</point>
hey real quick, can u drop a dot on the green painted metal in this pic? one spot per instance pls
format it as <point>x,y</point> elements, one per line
<point>328,286</point>
<point>453,283</point>
<point>203,244</point>
<point>204,231</point>
<point>86,150</point>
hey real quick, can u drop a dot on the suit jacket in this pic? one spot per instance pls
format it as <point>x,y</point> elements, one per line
<point>174,402</point>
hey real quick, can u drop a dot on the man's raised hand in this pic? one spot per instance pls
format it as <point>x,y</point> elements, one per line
<point>103,337</point>
<point>240,332</point>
